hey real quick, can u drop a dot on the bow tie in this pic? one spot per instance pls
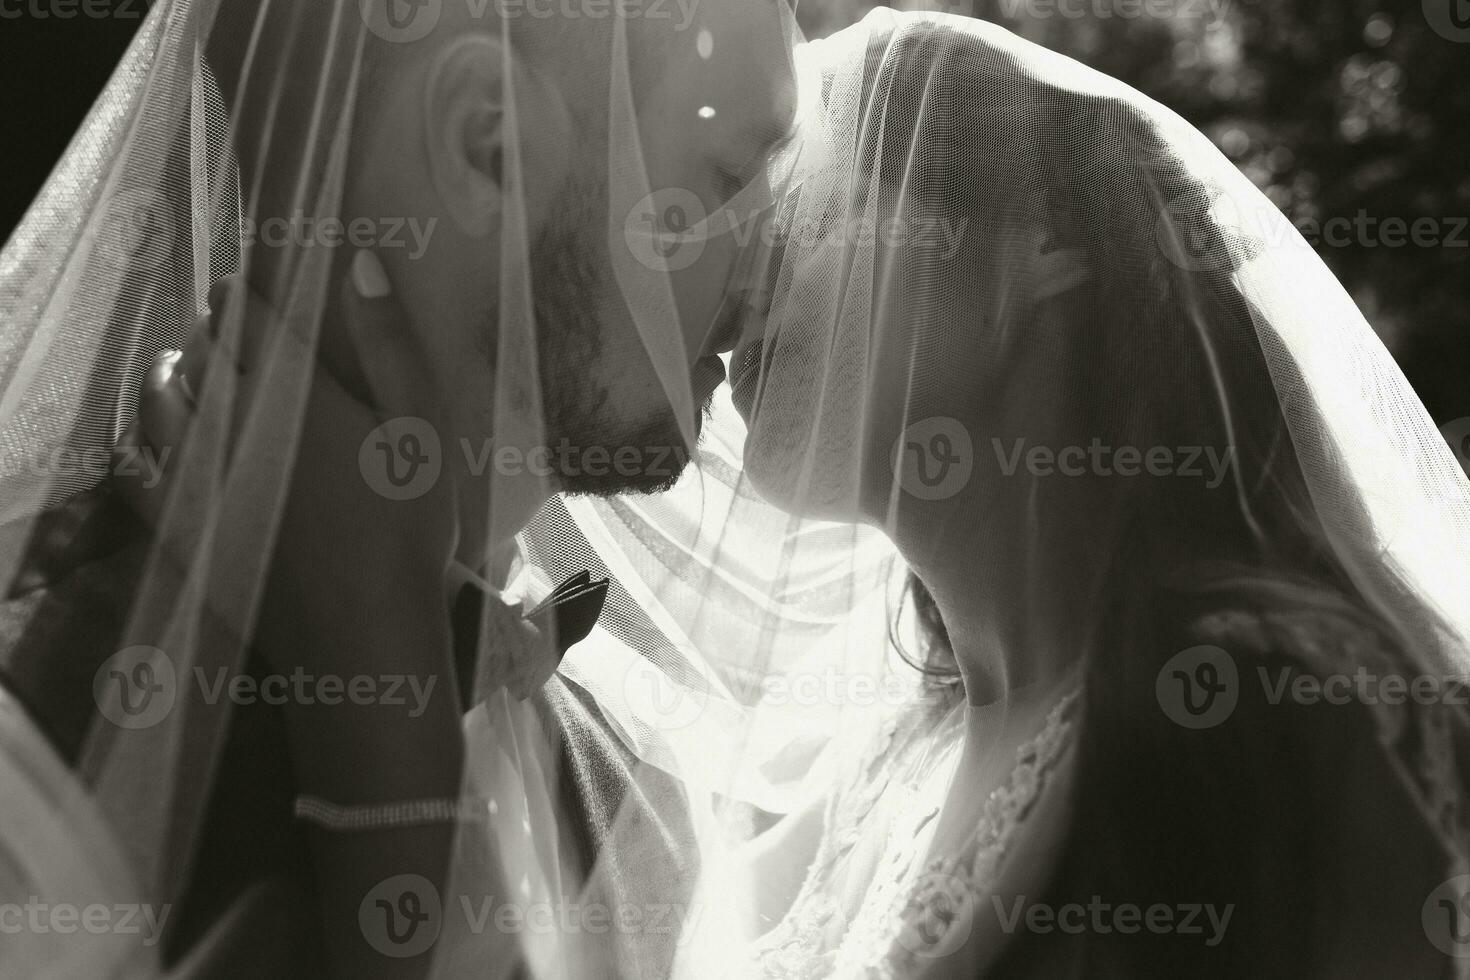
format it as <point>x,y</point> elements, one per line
<point>523,649</point>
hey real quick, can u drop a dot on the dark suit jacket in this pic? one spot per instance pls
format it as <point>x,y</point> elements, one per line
<point>62,620</point>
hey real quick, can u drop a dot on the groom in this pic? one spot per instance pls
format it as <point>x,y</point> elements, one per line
<point>70,600</point>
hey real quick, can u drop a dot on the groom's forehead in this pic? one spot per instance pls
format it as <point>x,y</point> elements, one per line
<point>720,45</point>
<point>655,29</point>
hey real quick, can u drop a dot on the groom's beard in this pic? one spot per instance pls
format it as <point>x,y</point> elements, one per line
<point>571,289</point>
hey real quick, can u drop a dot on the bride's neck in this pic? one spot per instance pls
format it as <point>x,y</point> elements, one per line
<point>1016,613</point>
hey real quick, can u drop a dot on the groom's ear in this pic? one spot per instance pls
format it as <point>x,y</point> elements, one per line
<point>470,124</point>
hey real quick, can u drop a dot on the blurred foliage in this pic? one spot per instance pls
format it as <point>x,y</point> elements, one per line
<point>51,70</point>
<point>1338,109</point>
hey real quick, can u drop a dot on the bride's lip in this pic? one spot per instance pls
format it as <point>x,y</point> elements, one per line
<point>726,333</point>
<point>745,362</point>
<point>749,357</point>
<point>745,372</point>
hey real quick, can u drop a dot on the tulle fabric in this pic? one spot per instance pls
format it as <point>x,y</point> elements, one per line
<point>149,208</point>
<point>751,644</point>
<point>955,182</point>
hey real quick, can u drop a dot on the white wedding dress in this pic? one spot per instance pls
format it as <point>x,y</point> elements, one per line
<point>883,898</point>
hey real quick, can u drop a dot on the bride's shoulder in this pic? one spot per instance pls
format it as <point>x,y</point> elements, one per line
<point>1331,684</point>
<point>1265,739</point>
<point>1313,630</point>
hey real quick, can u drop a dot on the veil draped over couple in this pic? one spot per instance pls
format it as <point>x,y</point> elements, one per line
<point>1066,582</point>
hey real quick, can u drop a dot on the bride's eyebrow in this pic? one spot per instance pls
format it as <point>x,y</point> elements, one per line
<point>765,140</point>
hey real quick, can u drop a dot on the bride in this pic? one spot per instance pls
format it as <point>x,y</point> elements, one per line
<point>1187,553</point>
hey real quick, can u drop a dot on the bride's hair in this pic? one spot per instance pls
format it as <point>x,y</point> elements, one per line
<point>936,658</point>
<point>1256,541</point>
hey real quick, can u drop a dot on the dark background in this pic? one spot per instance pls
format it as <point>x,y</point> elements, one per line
<point>51,68</point>
<point>1337,108</point>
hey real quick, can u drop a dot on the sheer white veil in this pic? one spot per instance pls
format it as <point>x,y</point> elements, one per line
<point>956,202</point>
<point>969,224</point>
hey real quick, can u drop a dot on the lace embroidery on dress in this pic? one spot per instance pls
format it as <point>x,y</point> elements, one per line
<point>908,914</point>
<point>803,944</point>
